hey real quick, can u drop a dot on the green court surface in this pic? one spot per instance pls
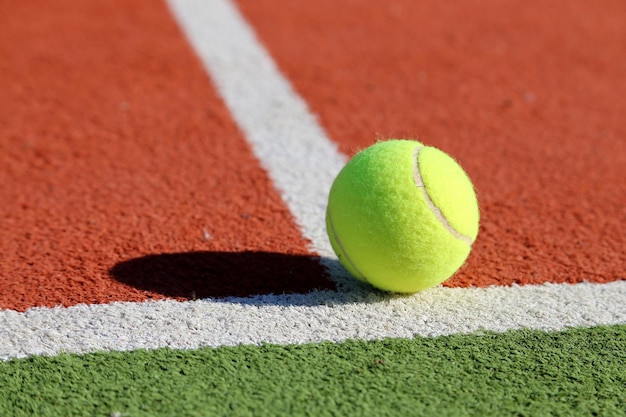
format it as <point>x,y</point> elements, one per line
<point>578,372</point>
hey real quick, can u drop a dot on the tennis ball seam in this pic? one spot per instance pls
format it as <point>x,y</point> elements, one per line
<point>343,250</point>
<point>419,182</point>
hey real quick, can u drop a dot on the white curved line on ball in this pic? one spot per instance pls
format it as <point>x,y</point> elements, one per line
<point>343,250</point>
<point>419,182</point>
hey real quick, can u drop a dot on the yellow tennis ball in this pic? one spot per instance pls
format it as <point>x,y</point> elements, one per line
<point>402,216</point>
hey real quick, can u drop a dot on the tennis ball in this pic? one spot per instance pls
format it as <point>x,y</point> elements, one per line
<point>402,216</point>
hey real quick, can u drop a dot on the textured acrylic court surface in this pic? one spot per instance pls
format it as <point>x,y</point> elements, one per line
<point>119,160</point>
<point>519,373</point>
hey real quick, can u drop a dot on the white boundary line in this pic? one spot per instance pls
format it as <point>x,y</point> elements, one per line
<point>314,317</point>
<point>285,136</point>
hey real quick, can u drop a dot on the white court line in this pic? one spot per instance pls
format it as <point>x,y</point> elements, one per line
<point>314,317</point>
<point>285,136</point>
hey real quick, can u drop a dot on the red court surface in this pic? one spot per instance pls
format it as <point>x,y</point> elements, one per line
<point>115,146</point>
<point>124,177</point>
<point>530,97</point>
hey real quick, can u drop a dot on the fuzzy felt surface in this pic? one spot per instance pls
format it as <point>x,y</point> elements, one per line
<point>384,226</point>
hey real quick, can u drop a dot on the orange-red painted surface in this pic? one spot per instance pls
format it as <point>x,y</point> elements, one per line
<point>115,150</point>
<point>123,176</point>
<point>530,97</point>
